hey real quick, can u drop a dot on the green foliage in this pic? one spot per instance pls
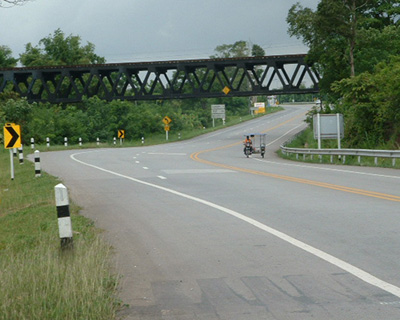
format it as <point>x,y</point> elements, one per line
<point>346,37</point>
<point>57,49</point>
<point>6,59</point>
<point>371,105</point>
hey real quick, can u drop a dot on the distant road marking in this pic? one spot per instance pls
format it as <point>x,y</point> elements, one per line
<point>161,177</point>
<point>168,153</point>
<point>145,168</point>
<point>184,171</point>
<point>357,272</point>
<point>137,161</point>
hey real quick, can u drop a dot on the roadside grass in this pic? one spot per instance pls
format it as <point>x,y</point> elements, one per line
<point>38,280</point>
<point>306,140</point>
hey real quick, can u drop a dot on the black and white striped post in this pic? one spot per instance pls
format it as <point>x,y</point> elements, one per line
<point>142,140</point>
<point>14,152</point>
<point>65,141</point>
<point>80,142</point>
<point>21,155</point>
<point>32,143</point>
<point>64,217</point>
<point>48,142</point>
<point>38,170</point>
<point>115,141</point>
<point>98,141</point>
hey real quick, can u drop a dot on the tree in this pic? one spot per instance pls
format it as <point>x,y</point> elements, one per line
<point>57,49</point>
<point>332,33</point>
<point>6,59</point>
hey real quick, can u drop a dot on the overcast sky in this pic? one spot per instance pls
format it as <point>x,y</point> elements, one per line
<point>153,30</point>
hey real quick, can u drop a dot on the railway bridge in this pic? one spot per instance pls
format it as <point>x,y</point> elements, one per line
<point>178,79</point>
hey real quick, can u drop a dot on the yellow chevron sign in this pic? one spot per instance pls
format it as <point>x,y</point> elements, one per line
<point>12,136</point>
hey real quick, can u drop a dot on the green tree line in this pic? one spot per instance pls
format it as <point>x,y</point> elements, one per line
<point>355,46</point>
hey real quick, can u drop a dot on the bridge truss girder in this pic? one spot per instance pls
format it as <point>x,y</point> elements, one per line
<point>248,76</point>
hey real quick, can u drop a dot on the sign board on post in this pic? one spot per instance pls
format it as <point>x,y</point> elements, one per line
<point>121,134</point>
<point>328,126</point>
<point>217,112</point>
<point>260,107</point>
<point>12,136</point>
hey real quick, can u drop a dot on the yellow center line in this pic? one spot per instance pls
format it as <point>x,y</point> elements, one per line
<point>195,156</point>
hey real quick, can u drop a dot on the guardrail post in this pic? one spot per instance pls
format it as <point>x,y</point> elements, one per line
<point>376,161</point>
<point>37,164</point>
<point>393,162</point>
<point>64,217</point>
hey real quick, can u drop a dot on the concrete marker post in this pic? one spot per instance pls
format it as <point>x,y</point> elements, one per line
<point>21,154</point>
<point>142,140</point>
<point>80,142</point>
<point>65,141</point>
<point>64,217</point>
<point>98,141</point>
<point>48,142</point>
<point>14,151</point>
<point>115,141</point>
<point>37,164</point>
<point>32,143</point>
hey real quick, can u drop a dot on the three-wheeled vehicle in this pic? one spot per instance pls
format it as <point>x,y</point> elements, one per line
<point>254,143</point>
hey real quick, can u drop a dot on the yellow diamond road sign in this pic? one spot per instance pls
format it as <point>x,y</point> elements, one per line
<point>166,120</point>
<point>226,90</point>
<point>12,136</point>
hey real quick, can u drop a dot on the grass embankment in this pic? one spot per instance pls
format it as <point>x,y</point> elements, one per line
<point>306,140</point>
<point>37,279</point>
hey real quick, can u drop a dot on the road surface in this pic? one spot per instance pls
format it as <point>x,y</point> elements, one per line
<point>202,232</point>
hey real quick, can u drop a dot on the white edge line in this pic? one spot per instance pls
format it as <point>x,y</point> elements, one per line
<point>357,272</point>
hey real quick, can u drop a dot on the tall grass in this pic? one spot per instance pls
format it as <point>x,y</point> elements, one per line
<point>37,279</point>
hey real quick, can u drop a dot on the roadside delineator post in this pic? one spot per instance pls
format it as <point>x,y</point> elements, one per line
<point>80,142</point>
<point>32,143</point>
<point>21,155</point>
<point>37,164</point>
<point>48,142</point>
<point>142,140</point>
<point>64,217</point>
<point>115,141</point>
<point>98,141</point>
<point>65,141</point>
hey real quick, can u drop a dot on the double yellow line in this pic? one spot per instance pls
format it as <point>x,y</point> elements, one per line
<point>195,156</point>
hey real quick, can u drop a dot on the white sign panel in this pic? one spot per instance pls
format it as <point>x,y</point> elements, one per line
<point>328,126</point>
<point>218,111</point>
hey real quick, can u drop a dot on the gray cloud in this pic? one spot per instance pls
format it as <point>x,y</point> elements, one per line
<point>138,30</point>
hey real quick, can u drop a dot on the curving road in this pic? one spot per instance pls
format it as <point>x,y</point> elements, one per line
<point>202,232</point>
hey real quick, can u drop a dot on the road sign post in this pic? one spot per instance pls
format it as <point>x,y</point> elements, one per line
<point>12,139</point>
<point>166,121</point>
<point>121,136</point>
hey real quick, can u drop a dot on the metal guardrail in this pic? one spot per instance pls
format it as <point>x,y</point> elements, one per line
<point>392,154</point>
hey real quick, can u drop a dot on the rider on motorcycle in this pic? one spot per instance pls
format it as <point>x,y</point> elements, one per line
<point>246,142</point>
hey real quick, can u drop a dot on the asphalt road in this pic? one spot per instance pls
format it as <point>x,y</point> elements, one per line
<point>202,232</point>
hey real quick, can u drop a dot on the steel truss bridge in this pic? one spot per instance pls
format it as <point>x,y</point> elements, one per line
<point>207,78</point>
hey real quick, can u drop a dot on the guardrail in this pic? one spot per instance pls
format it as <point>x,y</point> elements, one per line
<point>342,153</point>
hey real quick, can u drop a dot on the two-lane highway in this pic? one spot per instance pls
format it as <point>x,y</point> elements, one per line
<point>202,232</point>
